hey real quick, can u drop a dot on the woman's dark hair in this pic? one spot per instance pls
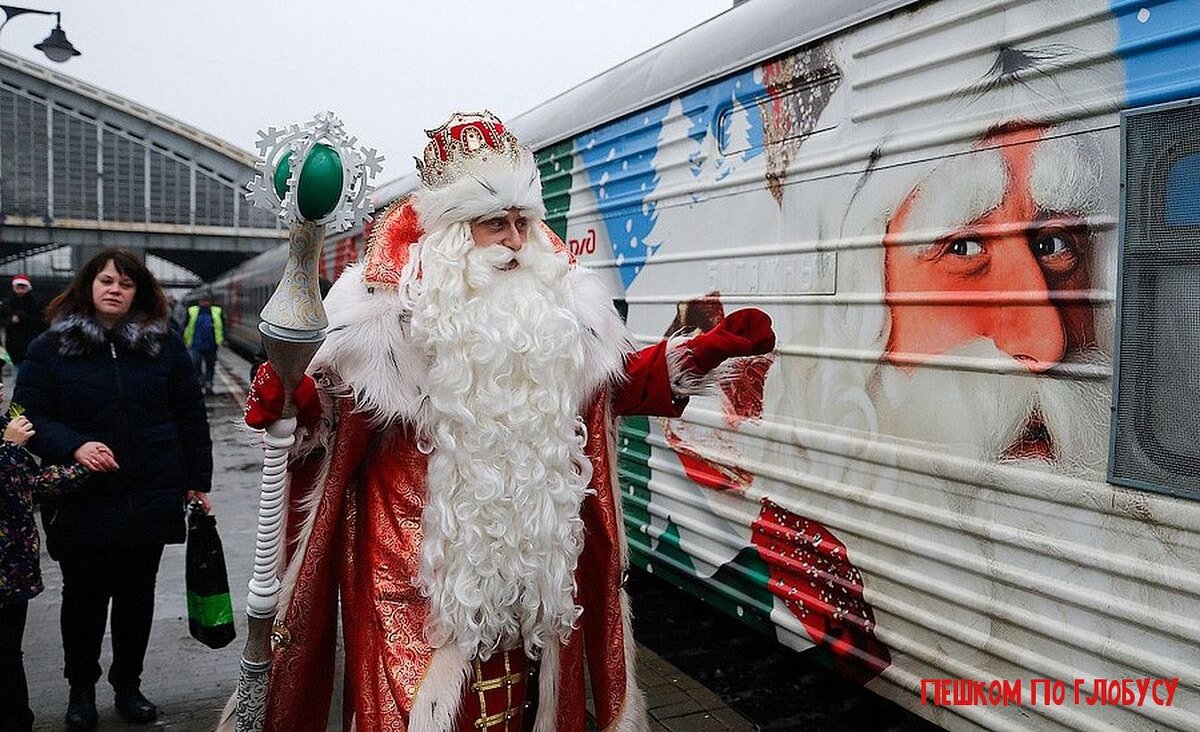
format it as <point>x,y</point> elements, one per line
<point>148,300</point>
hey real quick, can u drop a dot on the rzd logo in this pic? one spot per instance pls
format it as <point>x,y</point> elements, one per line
<point>586,245</point>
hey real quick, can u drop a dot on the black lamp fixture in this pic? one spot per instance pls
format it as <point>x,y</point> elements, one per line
<point>56,46</point>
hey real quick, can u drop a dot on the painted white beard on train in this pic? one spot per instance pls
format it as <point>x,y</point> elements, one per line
<point>1043,422</point>
<point>507,475</point>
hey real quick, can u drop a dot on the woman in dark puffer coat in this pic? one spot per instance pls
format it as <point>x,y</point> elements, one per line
<point>111,386</point>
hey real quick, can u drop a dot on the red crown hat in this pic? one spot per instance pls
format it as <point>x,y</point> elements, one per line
<point>21,280</point>
<point>473,167</point>
<point>465,139</point>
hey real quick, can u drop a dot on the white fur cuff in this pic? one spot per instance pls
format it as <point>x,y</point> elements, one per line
<point>684,381</point>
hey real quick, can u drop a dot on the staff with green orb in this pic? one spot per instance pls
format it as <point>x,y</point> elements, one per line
<point>328,187</point>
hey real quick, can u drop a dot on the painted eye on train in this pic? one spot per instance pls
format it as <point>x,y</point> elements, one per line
<point>964,248</point>
<point>1057,250</point>
<point>1050,244</point>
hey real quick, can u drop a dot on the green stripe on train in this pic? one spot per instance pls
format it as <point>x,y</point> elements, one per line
<point>738,588</point>
<point>555,164</point>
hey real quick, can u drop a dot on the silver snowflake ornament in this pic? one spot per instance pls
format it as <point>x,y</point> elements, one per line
<point>360,165</point>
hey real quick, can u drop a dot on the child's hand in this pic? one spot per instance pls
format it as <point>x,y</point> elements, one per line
<point>18,431</point>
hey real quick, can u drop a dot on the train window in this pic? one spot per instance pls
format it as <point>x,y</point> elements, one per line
<point>1183,191</point>
<point>1156,413</point>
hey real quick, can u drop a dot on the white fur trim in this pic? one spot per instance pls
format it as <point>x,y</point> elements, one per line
<point>489,186</point>
<point>547,709</point>
<point>607,340</point>
<point>228,719</point>
<point>435,706</point>
<point>370,350</point>
<point>309,510</point>
<point>633,717</point>
<point>684,381</point>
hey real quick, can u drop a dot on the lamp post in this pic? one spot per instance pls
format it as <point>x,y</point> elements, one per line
<point>56,46</point>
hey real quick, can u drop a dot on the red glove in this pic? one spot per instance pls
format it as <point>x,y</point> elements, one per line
<point>746,332</point>
<point>264,404</point>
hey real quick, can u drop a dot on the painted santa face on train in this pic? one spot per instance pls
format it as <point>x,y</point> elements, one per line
<point>1011,244</point>
<point>988,257</point>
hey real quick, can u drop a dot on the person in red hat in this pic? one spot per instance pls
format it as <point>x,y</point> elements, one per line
<point>22,318</point>
<point>458,488</point>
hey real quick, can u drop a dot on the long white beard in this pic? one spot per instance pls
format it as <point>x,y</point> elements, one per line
<point>507,472</point>
<point>981,415</point>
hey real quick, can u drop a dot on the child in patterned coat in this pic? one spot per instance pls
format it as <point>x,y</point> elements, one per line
<point>21,483</point>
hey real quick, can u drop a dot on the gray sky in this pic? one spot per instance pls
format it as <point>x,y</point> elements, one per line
<point>388,69</point>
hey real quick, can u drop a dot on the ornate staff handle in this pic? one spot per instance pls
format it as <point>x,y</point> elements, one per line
<point>293,328</point>
<point>327,184</point>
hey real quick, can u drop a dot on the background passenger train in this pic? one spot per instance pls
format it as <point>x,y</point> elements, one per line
<point>243,292</point>
<point>922,482</point>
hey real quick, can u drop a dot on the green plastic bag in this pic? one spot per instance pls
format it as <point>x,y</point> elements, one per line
<point>210,609</point>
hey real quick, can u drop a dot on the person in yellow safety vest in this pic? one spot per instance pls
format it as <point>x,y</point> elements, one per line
<point>203,334</point>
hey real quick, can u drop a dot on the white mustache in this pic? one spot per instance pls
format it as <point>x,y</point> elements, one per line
<point>983,414</point>
<point>496,255</point>
<point>485,264</point>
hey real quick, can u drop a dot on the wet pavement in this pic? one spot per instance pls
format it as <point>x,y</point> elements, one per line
<point>771,686</point>
<point>191,683</point>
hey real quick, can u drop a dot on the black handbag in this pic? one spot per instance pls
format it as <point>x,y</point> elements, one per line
<point>210,610</point>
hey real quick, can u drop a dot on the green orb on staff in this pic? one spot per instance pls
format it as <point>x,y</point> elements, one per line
<point>320,185</point>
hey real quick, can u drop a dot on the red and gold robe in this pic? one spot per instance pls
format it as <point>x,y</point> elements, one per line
<point>356,503</point>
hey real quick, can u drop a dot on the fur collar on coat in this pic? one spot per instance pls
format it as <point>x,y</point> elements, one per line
<point>79,334</point>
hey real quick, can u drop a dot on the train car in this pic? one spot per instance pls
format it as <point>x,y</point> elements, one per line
<point>241,294</point>
<point>968,476</point>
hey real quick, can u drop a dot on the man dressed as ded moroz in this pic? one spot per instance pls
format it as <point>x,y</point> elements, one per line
<point>459,486</point>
